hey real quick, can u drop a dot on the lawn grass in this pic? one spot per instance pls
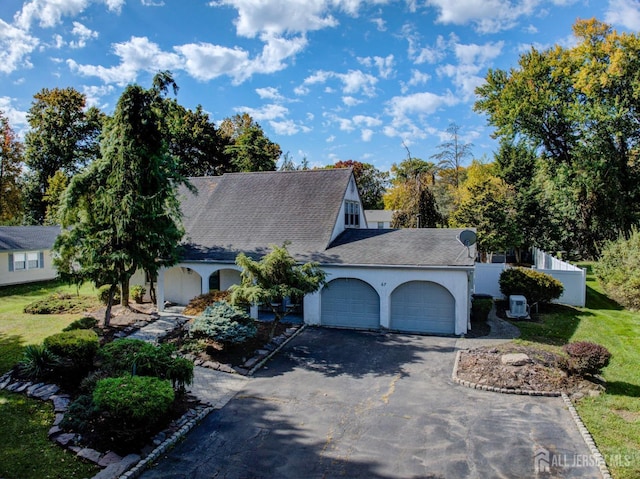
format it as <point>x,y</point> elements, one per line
<point>614,417</point>
<point>25,450</point>
<point>18,329</point>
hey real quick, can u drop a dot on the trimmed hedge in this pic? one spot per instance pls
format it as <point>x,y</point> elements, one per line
<point>133,356</point>
<point>87,322</point>
<point>60,303</point>
<point>534,285</point>
<point>78,346</point>
<point>137,399</point>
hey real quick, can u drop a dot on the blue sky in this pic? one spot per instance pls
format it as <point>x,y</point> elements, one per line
<point>328,80</point>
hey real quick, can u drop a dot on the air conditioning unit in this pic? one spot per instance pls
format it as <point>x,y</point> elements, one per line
<point>518,308</point>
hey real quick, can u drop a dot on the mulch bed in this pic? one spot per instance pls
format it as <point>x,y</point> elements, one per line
<point>543,372</point>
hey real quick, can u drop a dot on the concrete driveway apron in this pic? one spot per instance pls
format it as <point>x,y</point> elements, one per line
<point>337,403</point>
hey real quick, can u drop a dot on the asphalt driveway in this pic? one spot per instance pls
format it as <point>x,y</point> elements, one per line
<point>337,403</point>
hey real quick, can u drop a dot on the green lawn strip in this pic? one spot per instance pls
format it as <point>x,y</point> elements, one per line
<point>614,417</point>
<point>18,329</point>
<point>26,451</point>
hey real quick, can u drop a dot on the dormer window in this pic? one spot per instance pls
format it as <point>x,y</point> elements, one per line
<point>351,214</point>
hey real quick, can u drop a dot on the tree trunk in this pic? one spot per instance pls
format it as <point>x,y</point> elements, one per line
<point>124,293</point>
<point>107,314</point>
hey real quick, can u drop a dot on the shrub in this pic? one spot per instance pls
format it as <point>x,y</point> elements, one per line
<point>134,399</point>
<point>480,308</point>
<point>79,345</point>
<point>59,303</point>
<point>137,292</point>
<point>587,358</point>
<point>79,415</point>
<point>133,356</point>
<point>198,304</point>
<point>618,270</point>
<point>536,286</point>
<point>225,323</point>
<point>103,294</point>
<point>37,362</point>
<point>86,322</point>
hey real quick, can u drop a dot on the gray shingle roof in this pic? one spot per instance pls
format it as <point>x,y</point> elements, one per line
<point>27,238</point>
<point>402,247</point>
<point>249,211</point>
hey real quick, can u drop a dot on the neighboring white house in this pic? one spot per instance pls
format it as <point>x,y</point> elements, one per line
<point>380,219</point>
<point>413,280</point>
<point>25,253</point>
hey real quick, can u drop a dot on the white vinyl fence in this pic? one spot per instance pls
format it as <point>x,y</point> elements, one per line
<point>573,278</point>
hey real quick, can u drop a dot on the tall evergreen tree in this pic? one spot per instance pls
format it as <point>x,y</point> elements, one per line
<point>122,212</point>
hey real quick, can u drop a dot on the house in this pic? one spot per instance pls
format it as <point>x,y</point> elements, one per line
<point>380,219</point>
<point>413,280</point>
<point>25,253</point>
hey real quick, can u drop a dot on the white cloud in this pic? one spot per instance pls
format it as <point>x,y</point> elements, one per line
<point>625,13</point>
<point>417,78</point>
<point>383,64</point>
<point>137,54</point>
<point>94,94</point>
<point>354,81</point>
<point>83,33</point>
<point>17,119</point>
<point>266,112</point>
<point>152,3</point>
<point>366,134</point>
<point>270,93</point>
<point>472,59</point>
<point>205,61</point>
<point>408,113</point>
<point>381,25</point>
<point>350,100</point>
<point>365,120</point>
<point>288,127</point>
<point>487,16</point>
<point>49,13</point>
<point>15,47</point>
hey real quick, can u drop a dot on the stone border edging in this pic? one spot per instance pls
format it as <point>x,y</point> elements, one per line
<point>484,387</point>
<point>143,464</point>
<point>584,432</point>
<point>273,353</point>
<point>588,439</point>
<point>140,467</point>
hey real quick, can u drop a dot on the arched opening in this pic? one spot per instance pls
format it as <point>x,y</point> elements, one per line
<point>423,307</point>
<point>350,303</point>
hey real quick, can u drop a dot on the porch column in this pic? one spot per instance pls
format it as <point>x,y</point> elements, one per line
<point>253,311</point>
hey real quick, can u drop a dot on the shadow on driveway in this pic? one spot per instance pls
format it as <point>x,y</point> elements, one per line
<point>348,404</point>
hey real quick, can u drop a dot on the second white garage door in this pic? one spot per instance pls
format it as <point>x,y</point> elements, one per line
<point>350,303</point>
<point>422,307</point>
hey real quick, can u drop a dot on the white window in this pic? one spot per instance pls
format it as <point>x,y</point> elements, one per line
<point>352,214</point>
<point>19,261</point>
<point>25,261</point>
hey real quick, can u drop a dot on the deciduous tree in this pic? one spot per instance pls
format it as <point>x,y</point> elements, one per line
<point>10,170</point>
<point>370,181</point>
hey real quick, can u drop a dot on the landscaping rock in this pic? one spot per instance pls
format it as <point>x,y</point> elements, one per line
<point>58,419</point>
<point>116,469</point>
<point>515,359</point>
<point>45,392</point>
<point>65,439</point>
<point>5,380</point>
<point>60,403</point>
<point>54,431</point>
<point>109,458</point>
<point>90,455</point>
<point>32,388</point>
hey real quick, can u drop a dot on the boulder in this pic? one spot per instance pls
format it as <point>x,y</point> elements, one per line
<point>515,359</point>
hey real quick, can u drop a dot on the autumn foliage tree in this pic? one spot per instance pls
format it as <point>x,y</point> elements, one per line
<point>10,170</point>
<point>370,181</point>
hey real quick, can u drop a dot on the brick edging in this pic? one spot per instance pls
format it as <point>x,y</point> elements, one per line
<point>275,351</point>
<point>484,387</point>
<point>584,432</point>
<point>588,439</point>
<point>171,441</point>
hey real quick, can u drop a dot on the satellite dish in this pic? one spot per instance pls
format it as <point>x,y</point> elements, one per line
<point>467,238</point>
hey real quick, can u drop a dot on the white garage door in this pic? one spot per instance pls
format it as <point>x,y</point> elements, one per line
<point>350,303</point>
<point>422,307</point>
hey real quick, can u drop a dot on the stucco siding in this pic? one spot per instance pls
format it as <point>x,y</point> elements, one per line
<point>7,277</point>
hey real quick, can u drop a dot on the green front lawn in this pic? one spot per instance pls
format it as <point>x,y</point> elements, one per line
<point>25,450</point>
<point>613,418</point>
